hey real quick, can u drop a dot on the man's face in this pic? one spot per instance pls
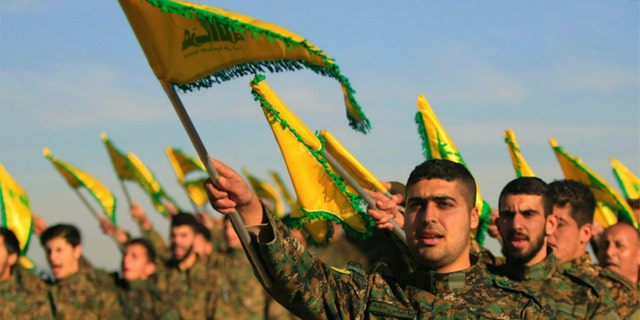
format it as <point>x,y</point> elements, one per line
<point>135,263</point>
<point>568,241</point>
<point>63,257</point>
<point>230,235</point>
<point>523,228</point>
<point>438,223</point>
<point>6,260</point>
<point>619,252</point>
<point>182,240</point>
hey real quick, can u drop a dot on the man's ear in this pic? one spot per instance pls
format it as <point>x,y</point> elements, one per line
<point>77,252</point>
<point>551,224</point>
<point>149,269</point>
<point>12,259</point>
<point>586,232</point>
<point>475,218</point>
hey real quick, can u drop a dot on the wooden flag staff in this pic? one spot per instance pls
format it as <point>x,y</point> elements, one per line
<point>236,221</point>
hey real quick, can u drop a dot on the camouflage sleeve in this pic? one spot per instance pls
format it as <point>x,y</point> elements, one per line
<point>156,240</point>
<point>301,282</point>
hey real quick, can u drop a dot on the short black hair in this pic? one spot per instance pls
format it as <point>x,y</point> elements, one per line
<point>151,252</point>
<point>67,231</point>
<point>572,193</point>
<point>10,240</point>
<point>634,203</point>
<point>446,170</point>
<point>524,185</point>
<point>204,231</point>
<point>182,219</point>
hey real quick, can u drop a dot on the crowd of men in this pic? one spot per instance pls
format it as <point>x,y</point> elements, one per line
<point>440,272</point>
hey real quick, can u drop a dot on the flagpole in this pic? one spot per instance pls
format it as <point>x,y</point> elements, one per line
<point>94,213</point>
<point>356,186</point>
<point>235,219</point>
<point>126,191</point>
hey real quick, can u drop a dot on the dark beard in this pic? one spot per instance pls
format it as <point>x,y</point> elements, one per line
<point>186,254</point>
<point>521,259</point>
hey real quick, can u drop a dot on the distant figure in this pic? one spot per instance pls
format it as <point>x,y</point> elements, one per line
<point>620,250</point>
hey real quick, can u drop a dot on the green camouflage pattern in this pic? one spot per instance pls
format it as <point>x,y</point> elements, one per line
<point>570,296</point>
<point>624,293</point>
<point>158,244</point>
<point>24,296</point>
<point>313,290</point>
<point>142,300</point>
<point>87,294</point>
<point>194,291</point>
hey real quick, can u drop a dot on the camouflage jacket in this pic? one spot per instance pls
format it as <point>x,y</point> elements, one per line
<point>241,294</point>
<point>142,299</point>
<point>570,296</point>
<point>87,294</point>
<point>623,292</point>
<point>313,290</point>
<point>20,297</point>
<point>194,291</point>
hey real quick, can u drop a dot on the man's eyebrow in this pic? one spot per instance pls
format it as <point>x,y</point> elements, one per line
<point>431,198</point>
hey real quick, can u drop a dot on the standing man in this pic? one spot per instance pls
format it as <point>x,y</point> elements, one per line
<point>79,291</point>
<point>574,205</point>
<point>524,226</point>
<point>17,298</point>
<point>447,283</point>
<point>620,250</point>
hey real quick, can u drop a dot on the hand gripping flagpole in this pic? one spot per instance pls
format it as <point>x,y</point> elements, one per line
<point>236,221</point>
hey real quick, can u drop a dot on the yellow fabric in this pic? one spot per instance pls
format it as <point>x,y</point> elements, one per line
<point>26,263</point>
<point>264,190</point>
<point>629,182</point>
<point>183,164</point>
<point>148,182</point>
<point>120,162</point>
<point>316,190</point>
<point>604,215</point>
<point>317,229</point>
<point>575,169</point>
<point>284,191</point>
<point>16,213</point>
<point>519,164</point>
<point>77,178</point>
<point>182,50</point>
<point>197,193</point>
<point>441,146</point>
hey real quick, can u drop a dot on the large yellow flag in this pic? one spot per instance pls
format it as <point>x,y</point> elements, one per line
<point>436,144</point>
<point>150,184</point>
<point>184,164</point>
<point>16,213</point>
<point>77,178</point>
<point>284,191</point>
<point>265,190</point>
<point>195,46</point>
<point>519,164</point>
<point>321,193</point>
<point>629,182</point>
<point>358,172</point>
<point>575,169</point>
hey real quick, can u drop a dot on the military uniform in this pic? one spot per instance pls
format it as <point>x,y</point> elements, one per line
<point>141,299</point>
<point>312,290</point>
<point>194,291</point>
<point>624,293</point>
<point>24,296</point>
<point>87,294</point>
<point>570,296</point>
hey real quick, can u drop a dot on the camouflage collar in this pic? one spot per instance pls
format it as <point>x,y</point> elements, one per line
<point>436,283</point>
<point>541,270</point>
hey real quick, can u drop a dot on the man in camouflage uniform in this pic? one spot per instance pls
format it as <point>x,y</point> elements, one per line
<point>447,283</point>
<point>620,251</point>
<point>19,298</point>
<point>185,278</point>
<point>524,225</point>
<point>139,296</point>
<point>574,205</point>
<point>79,291</point>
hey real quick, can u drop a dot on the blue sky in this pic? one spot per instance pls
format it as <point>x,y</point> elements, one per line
<point>568,70</point>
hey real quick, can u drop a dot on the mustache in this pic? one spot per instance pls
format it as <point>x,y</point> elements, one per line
<point>514,234</point>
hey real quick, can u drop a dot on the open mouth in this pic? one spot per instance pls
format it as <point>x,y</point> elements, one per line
<point>431,237</point>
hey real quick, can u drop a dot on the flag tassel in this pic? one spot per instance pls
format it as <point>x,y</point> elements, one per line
<point>236,221</point>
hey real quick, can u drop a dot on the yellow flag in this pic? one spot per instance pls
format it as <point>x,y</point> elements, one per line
<point>264,190</point>
<point>183,164</point>
<point>120,162</point>
<point>575,169</point>
<point>519,164</point>
<point>196,191</point>
<point>604,215</point>
<point>360,173</point>
<point>77,178</point>
<point>150,184</point>
<point>284,191</point>
<point>195,46</point>
<point>321,193</point>
<point>16,213</point>
<point>436,144</point>
<point>629,182</point>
